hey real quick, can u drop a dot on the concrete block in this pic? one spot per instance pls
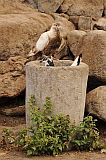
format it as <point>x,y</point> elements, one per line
<point>64,84</point>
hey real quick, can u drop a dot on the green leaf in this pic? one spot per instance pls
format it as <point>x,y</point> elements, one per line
<point>29,152</point>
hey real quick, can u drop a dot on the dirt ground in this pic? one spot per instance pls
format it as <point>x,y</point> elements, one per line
<point>17,123</point>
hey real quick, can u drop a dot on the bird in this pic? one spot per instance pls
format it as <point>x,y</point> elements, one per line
<point>77,61</point>
<point>44,40</point>
<point>48,61</point>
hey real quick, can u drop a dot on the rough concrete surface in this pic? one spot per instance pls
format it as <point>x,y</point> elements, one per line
<point>65,85</point>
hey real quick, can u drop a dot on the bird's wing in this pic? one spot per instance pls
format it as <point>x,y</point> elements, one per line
<point>42,41</point>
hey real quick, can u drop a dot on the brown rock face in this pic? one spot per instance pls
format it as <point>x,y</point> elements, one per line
<point>15,111</point>
<point>75,39</point>
<point>100,24</point>
<point>104,7</point>
<point>14,6</point>
<point>85,8</point>
<point>48,6</point>
<point>12,78</point>
<point>19,32</point>
<point>85,23</point>
<point>82,12</point>
<point>96,102</point>
<point>93,50</point>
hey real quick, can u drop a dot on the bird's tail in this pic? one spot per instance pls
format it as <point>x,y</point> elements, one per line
<point>32,52</point>
<point>77,61</point>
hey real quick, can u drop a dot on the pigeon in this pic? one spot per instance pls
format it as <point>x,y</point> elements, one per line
<point>77,61</point>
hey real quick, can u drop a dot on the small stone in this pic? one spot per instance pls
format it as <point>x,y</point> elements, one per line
<point>15,111</point>
<point>103,150</point>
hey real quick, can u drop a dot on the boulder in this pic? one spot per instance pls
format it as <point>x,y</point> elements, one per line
<point>48,6</point>
<point>12,77</point>
<point>93,49</point>
<point>85,23</point>
<point>19,32</point>
<point>85,8</point>
<point>75,38</point>
<point>33,3</point>
<point>74,20</point>
<point>100,24</point>
<point>96,102</point>
<point>104,7</point>
<point>14,6</point>
<point>82,12</point>
<point>13,111</point>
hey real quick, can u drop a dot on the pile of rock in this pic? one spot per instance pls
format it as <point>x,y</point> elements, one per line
<point>84,26</point>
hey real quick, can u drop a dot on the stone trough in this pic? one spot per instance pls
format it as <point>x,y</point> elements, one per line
<point>64,84</point>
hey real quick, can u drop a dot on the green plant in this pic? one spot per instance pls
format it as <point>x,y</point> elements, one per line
<point>20,139</point>
<point>48,134</point>
<point>7,137</point>
<point>86,135</point>
<point>51,134</point>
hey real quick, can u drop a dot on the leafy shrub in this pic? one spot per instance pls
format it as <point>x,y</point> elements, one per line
<point>86,135</point>
<point>48,134</point>
<point>8,137</point>
<point>52,134</point>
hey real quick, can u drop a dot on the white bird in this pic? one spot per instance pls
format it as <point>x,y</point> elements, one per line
<point>77,61</point>
<point>44,39</point>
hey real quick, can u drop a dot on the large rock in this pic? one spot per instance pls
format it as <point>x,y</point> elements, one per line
<point>14,6</point>
<point>85,8</point>
<point>19,32</point>
<point>83,22</point>
<point>75,38</point>
<point>48,6</point>
<point>82,12</point>
<point>96,102</point>
<point>104,7</point>
<point>13,111</point>
<point>93,49</point>
<point>12,78</point>
<point>65,85</point>
<point>100,24</point>
<point>20,27</point>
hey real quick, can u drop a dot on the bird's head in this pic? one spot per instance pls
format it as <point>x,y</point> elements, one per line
<point>55,26</point>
